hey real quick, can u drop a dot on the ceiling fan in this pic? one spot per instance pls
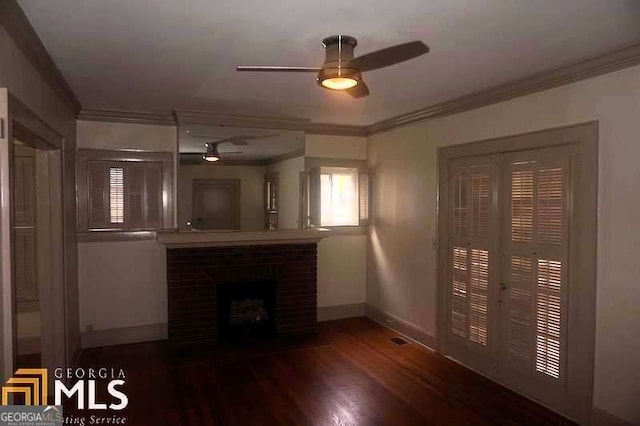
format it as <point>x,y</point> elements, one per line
<point>341,71</point>
<point>212,154</point>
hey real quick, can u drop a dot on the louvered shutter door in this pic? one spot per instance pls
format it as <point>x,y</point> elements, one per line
<point>98,206</point>
<point>24,231</point>
<point>153,195</point>
<point>535,252</point>
<point>472,223</point>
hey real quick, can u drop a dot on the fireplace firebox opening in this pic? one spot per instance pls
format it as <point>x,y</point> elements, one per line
<point>246,309</point>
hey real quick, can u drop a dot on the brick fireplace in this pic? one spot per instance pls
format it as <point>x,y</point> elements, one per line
<point>194,275</point>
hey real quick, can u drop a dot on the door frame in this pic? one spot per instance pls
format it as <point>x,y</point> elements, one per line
<point>53,296</point>
<point>583,248</point>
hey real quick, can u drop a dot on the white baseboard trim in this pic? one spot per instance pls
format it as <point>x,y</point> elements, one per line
<point>401,326</point>
<point>119,336</point>
<point>604,418</point>
<point>330,313</point>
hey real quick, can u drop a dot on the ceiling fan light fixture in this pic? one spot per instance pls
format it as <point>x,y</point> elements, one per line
<point>212,153</point>
<point>339,78</point>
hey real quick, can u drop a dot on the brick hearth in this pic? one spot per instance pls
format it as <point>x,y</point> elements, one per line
<point>193,275</point>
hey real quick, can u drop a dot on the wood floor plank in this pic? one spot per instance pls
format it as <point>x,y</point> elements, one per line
<point>347,374</point>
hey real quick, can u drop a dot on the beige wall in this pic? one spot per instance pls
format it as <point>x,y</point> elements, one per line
<point>342,270</point>
<point>25,83</point>
<point>107,135</point>
<point>342,260</point>
<point>289,190</point>
<point>123,284</point>
<point>251,191</point>
<point>327,146</point>
<point>402,257</point>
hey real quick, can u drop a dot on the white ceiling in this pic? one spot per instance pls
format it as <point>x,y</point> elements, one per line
<point>160,55</point>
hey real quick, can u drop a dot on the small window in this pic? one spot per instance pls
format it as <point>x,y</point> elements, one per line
<point>124,191</point>
<point>339,196</point>
<point>338,193</point>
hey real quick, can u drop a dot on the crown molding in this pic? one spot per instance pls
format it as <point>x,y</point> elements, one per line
<point>16,23</point>
<point>335,129</point>
<point>217,119</point>
<point>132,117</point>
<point>592,67</point>
<point>265,122</point>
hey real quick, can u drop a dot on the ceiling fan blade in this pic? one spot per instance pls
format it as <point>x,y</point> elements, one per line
<point>389,56</point>
<point>359,91</point>
<point>235,140</point>
<point>222,154</point>
<point>275,69</point>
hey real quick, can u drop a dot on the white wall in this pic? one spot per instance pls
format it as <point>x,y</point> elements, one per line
<point>107,135</point>
<point>342,260</point>
<point>402,263</point>
<point>327,146</point>
<point>342,270</point>
<point>289,190</point>
<point>251,191</point>
<point>123,284</point>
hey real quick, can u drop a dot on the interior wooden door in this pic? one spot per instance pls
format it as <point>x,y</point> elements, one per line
<point>216,204</point>
<point>535,263</point>
<point>472,261</point>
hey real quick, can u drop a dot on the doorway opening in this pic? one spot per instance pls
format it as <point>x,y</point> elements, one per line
<point>33,234</point>
<point>33,320</point>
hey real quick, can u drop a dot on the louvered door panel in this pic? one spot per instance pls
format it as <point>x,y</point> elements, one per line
<point>472,215</point>
<point>536,251</point>
<point>520,311</point>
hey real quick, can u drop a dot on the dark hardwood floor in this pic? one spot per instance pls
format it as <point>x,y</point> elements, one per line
<point>347,374</point>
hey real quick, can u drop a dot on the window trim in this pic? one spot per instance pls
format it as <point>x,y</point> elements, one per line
<point>83,156</point>
<point>312,163</point>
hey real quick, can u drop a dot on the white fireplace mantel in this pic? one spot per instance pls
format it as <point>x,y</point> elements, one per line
<point>194,238</point>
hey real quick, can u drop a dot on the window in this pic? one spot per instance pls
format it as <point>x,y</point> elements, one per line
<point>339,194</point>
<point>124,191</point>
